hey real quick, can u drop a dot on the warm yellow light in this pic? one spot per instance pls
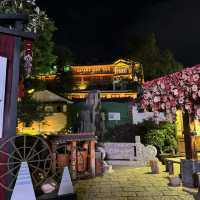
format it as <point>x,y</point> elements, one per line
<point>82,86</point>
<point>31,91</point>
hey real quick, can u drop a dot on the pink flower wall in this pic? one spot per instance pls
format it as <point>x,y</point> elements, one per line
<point>177,90</point>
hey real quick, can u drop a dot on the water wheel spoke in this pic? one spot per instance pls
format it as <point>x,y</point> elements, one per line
<point>37,168</point>
<point>9,155</point>
<point>9,171</point>
<point>43,149</point>
<point>24,147</point>
<point>6,188</point>
<point>16,149</point>
<point>10,163</point>
<point>32,161</point>
<point>34,179</point>
<point>12,181</point>
<point>30,151</point>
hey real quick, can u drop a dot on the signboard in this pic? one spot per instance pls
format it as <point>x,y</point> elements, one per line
<point>3,66</point>
<point>66,183</point>
<point>113,116</point>
<point>23,189</point>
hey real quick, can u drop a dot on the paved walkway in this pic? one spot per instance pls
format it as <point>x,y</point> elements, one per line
<point>127,183</point>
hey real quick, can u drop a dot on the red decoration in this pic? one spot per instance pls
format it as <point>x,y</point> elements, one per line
<point>27,57</point>
<point>180,89</point>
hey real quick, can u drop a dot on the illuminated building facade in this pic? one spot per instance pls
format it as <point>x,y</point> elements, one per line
<point>115,80</point>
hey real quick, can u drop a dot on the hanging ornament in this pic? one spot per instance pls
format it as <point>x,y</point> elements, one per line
<point>27,57</point>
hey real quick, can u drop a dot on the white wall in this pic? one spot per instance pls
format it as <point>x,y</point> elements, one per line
<point>140,117</point>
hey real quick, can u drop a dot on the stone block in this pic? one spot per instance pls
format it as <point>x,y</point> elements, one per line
<point>188,170</point>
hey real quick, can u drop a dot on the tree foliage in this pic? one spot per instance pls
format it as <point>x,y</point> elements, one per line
<point>43,55</point>
<point>43,47</point>
<point>163,137</point>
<point>39,23</point>
<point>155,62</point>
<point>64,57</point>
<point>28,112</point>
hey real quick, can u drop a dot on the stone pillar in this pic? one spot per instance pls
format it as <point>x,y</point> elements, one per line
<point>137,139</point>
<point>73,161</point>
<point>188,169</point>
<point>92,157</point>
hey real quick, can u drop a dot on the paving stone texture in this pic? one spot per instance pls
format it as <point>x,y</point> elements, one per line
<point>128,183</point>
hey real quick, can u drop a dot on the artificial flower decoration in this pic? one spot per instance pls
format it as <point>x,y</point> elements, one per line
<point>177,90</point>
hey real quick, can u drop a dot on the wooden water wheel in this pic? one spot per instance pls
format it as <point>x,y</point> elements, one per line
<point>23,148</point>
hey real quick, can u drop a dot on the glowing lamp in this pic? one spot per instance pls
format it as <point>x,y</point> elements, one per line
<point>31,91</point>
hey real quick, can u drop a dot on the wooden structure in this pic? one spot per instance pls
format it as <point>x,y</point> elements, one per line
<point>32,150</point>
<point>10,46</point>
<point>79,149</point>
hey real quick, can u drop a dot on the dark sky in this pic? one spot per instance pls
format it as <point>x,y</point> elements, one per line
<point>98,30</point>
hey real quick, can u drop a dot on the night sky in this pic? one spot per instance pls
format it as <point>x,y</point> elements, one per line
<point>98,31</point>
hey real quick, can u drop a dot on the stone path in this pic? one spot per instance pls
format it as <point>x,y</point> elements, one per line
<point>127,183</point>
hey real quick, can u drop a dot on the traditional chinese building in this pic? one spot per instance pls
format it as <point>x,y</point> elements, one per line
<point>116,80</point>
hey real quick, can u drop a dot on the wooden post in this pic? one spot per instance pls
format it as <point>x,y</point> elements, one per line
<point>10,46</point>
<point>170,167</point>
<point>73,161</point>
<point>92,157</point>
<point>188,138</point>
<point>54,157</point>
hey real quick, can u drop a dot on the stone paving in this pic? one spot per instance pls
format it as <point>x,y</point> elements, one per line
<point>126,183</point>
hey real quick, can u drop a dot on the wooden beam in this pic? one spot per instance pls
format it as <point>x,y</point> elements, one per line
<point>14,32</point>
<point>14,17</point>
<point>92,157</point>
<point>73,161</point>
<point>188,138</point>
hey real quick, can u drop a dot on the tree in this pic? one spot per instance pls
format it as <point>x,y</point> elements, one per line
<point>39,23</point>
<point>43,47</point>
<point>43,56</point>
<point>64,80</point>
<point>64,57</point>
<point>155,63</point>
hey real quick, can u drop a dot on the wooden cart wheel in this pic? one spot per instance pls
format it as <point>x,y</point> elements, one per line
<point>23,148</point>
